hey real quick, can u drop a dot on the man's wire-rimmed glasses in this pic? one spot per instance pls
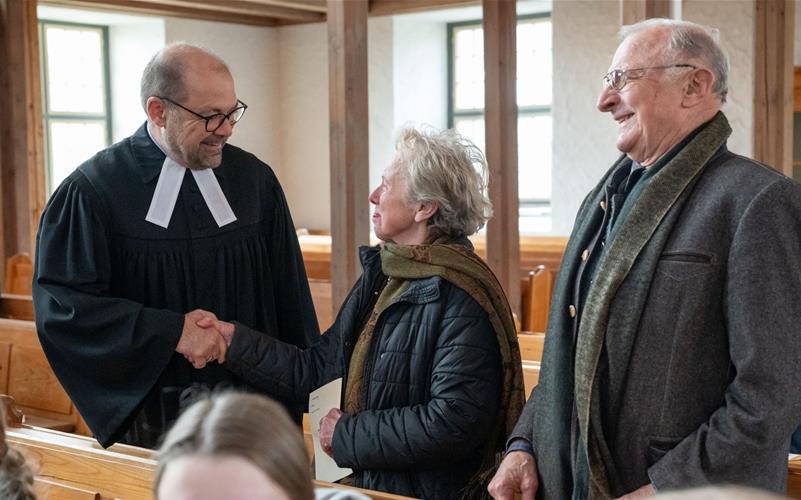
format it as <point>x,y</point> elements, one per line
<point>618,78</point>
<point>215,121</point>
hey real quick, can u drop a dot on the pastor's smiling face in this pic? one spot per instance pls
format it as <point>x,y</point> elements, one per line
<point>647,108</point>
<point>207,93</point>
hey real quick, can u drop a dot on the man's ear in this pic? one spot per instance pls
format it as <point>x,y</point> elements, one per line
<point>426,211</point>
<point>698,87</point>
<point>156,111</point>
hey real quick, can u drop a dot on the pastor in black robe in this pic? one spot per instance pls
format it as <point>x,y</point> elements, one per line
<point>110,289</point>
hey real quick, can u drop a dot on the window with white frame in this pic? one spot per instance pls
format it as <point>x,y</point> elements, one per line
<point>534,71</point>
<point>75,90</point>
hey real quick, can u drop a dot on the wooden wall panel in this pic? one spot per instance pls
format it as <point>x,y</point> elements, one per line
<point>773,84</point>
<point>22,162</point>
<point>500,95</point>
<point>347,72</point>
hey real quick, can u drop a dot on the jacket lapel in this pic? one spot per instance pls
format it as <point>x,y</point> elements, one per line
<point>633,235</point>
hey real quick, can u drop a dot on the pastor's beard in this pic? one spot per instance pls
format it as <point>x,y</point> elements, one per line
<point>189,157</point>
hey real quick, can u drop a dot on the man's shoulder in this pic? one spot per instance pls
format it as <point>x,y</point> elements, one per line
<point>739,172</point>
<point>247,161</point>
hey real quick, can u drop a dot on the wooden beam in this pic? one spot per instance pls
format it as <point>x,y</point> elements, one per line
<point>22,179</point>
<point>182,10</point>
<point>797,87</point>
<point>392,7</point>
<point>773,84</point>
<point>500,61</point>
<point>634,11</point>
<point>347,97</point>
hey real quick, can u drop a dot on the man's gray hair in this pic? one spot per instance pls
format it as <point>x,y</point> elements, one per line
<point>163,75</point>
<point>690,41</point>
<point>448,169</point>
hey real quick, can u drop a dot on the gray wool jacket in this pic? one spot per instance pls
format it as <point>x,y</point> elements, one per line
<point>683,368</point>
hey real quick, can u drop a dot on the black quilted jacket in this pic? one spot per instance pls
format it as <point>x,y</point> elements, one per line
<point>432,383</point>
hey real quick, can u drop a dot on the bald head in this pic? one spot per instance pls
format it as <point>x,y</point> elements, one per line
<point>673,40</point>
<point>167,72</point>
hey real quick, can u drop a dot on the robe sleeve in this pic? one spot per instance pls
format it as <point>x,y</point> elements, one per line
<point>297,320</point>
<point>107,352</point>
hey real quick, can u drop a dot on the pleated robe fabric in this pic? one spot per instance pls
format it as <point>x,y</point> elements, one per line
<point>110,289</point>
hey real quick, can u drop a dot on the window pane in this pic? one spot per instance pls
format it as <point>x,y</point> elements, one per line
<point>534,63</point>
<point>75,81</point>
<point>534,157</point>
<point>72,143</point>
<point>468,68</point>
<point>472,128</point>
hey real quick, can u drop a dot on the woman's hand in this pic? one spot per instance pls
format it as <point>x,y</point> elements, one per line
<point>327,425</point>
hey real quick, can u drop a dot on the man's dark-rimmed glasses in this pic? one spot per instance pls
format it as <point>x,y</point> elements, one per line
<point>618,78</point>
<point>215,121</point>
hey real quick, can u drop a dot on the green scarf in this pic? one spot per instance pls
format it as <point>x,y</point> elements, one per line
<point>464,269</point>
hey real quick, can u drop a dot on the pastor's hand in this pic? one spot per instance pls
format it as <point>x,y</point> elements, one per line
<point>327,425</point>
<point>223,327</point>
<point>200,346</point>
<point>517,475</point>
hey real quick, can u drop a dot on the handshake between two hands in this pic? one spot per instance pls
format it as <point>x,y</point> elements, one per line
<point>204,338</point>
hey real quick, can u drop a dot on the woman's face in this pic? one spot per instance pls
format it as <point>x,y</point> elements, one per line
<point>197,477</point>
<point>394,218</point>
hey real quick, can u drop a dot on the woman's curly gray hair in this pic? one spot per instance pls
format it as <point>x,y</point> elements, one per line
<point>445,168</point>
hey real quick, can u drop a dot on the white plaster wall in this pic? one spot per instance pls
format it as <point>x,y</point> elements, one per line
<point>381,88</point>
<point>737,38</point>
<point>303,108</point>
<point>421,77</point>
<point>131,47</point>
<point>584,41</point>
<point>251,53</point>
<point>303,102</point>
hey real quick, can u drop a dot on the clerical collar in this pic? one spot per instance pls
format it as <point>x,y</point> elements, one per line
<point>169,185</point>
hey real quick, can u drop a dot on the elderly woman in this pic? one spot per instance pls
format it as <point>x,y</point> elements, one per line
<point>425,341</point>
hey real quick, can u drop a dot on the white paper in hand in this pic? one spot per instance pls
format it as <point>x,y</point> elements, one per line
<point>320,402</point>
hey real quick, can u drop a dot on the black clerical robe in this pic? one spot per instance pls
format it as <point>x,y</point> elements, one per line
<point>110,289</point>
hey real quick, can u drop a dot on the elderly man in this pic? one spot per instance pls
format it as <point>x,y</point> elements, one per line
<point>673,342</point>
<point>157,226</point>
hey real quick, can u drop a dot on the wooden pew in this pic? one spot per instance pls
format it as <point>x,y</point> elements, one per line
<point>531,375</point>
<point>794,477</point>
<point>18,274</point>
<point>321,296</point>
<point>15,300</point>
<point>75,467</point>
<point>25,374</point>
<point>531,345</point>
<point>534,251</point>
<point>537,299</point>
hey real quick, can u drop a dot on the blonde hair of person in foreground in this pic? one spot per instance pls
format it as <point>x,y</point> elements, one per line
<point>234,446</point>
<point>719,493</point>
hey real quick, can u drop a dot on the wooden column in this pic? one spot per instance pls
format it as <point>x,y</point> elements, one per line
<point>347,96</point>
<point>21,158</point>
<point>500,95</point>
<point>633,11</point>
<point>773,84</point>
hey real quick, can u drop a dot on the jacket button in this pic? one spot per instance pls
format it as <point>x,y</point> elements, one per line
<point>571,310</point>
<point>585,254</point>
<point>603,205</point>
